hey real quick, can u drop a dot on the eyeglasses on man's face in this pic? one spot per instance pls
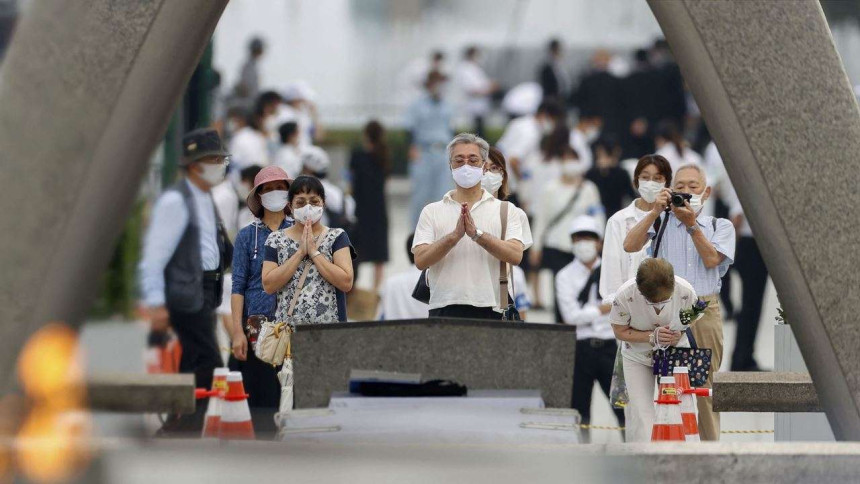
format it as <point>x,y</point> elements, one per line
<point>472,160</point>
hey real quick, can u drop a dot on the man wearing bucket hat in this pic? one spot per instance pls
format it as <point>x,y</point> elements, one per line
<point>249,302</point>
<point>580,304</point>
<point>185,252</point>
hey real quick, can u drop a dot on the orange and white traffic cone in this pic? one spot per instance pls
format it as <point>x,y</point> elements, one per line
<point>667,420</point>
<point>689,412</point>
<point>213,412</point>
<point>236,416</point>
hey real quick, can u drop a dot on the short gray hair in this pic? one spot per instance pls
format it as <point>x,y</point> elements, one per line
<point>469,139</point>
<point>694,166</point>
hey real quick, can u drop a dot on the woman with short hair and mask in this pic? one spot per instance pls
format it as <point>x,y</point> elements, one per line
<point>652,174</point>
<point>309,258</point>
<point>268,202</point>
<point>563,199</point>
<point>495,181</point>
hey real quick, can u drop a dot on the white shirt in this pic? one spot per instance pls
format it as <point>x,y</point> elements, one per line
<point>537,173</point>
<point>249,147</point>
<point>555,198</point>
<point>522,298</point>
<point>167,224</point>
<point>227,202</point>
<point>468,274</point>
<point>620,266</point>
<point>675,160</point>
<point>580,143</point>
<point>520,139</point>
<point>289,158</point>
<point>630,308</point>
<point>473,80</point>
<point>396,301</point>
<point>589,322</point>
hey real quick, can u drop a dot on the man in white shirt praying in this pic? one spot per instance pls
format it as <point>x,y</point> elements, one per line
<point>581,305</point>
<point>459,239</point>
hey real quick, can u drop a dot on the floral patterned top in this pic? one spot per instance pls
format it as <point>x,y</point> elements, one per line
<point>319,301</point>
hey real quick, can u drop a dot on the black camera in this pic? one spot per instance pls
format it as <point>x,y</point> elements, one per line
<point>678,198</point>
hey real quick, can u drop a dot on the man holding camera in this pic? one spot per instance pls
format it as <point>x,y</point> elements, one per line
<point>701,249</point>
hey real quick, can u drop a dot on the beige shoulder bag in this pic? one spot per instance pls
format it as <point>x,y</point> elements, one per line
<point>273,342</point>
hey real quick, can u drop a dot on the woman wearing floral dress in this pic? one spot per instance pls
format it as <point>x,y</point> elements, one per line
<point>325,252</point>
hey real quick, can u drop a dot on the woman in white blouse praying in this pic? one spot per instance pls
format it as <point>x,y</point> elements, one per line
<point>645,313</point>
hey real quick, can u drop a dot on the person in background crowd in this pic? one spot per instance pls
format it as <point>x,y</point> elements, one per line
<point>542,167</point>
<point>671,145</point>
<point>612,181</point>
<point>651,176</point>
<point>646,312</point>
<point>246,184</point>
<point>669,96</point>
<point>248,86</point>
<point>428,126</point>
<point>599,94</point>
<point>581,305</point>
<point>289,154</point>
<point>370,166</point>
<point>464,272</point>
<point>562,201</point>
<point>395,295</point>
<point>584,134</point>
<point>495,181</point>
<point>522,138</point>
<point>339,207</point>
<point>477,88</point>
<point>753,273</point>
<point>267,200</point>
<point>298,106</point>
<point>639,97</point>
<point>553,76</point>
<point>185,252</point>
<point>701,249</point>
<point>249,145</point>
<point>324,254</point>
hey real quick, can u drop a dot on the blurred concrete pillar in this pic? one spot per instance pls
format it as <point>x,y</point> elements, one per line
<point>87,88</point>
<point>776,99</point>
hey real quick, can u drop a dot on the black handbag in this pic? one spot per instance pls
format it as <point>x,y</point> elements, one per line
<point>697,359</point>
<point>422,289</point>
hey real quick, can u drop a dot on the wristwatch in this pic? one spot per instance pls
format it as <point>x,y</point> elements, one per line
<point>692,229</point>
<point>478,234</point>
<point>315,254</point>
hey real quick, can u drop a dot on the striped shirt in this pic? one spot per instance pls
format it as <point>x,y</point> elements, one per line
<point>677,247</point>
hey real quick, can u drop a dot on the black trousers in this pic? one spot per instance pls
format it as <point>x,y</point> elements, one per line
<point>479,126</point>
<point>555,260</point>
<point>263,389</point>
<point>753,274</point>
<point>594,362</point>
<point>200,355</point>
<point>464,311</point>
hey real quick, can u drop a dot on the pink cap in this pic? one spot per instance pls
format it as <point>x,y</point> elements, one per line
<point>266,175</point>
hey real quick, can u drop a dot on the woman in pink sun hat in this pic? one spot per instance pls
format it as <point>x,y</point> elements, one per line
<point>268,202</point>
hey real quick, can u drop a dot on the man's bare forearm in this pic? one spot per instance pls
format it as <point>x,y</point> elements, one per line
<point>428,255</point>
<point>510,251</point>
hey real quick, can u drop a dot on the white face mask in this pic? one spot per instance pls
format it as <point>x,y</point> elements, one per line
<point>573,168</point>
<point>585,250</point>
<point>274,201</point>
<point>491,182</point>
<point>308,213</point>
<point>467,176</point>
<point>592,134</point>
<point>697,201</point>
<point>546,127</point>
<point>213,174</point>
<point>649,190</point>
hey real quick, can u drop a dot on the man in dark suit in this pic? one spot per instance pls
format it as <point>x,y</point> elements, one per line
<point>553,77</point>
